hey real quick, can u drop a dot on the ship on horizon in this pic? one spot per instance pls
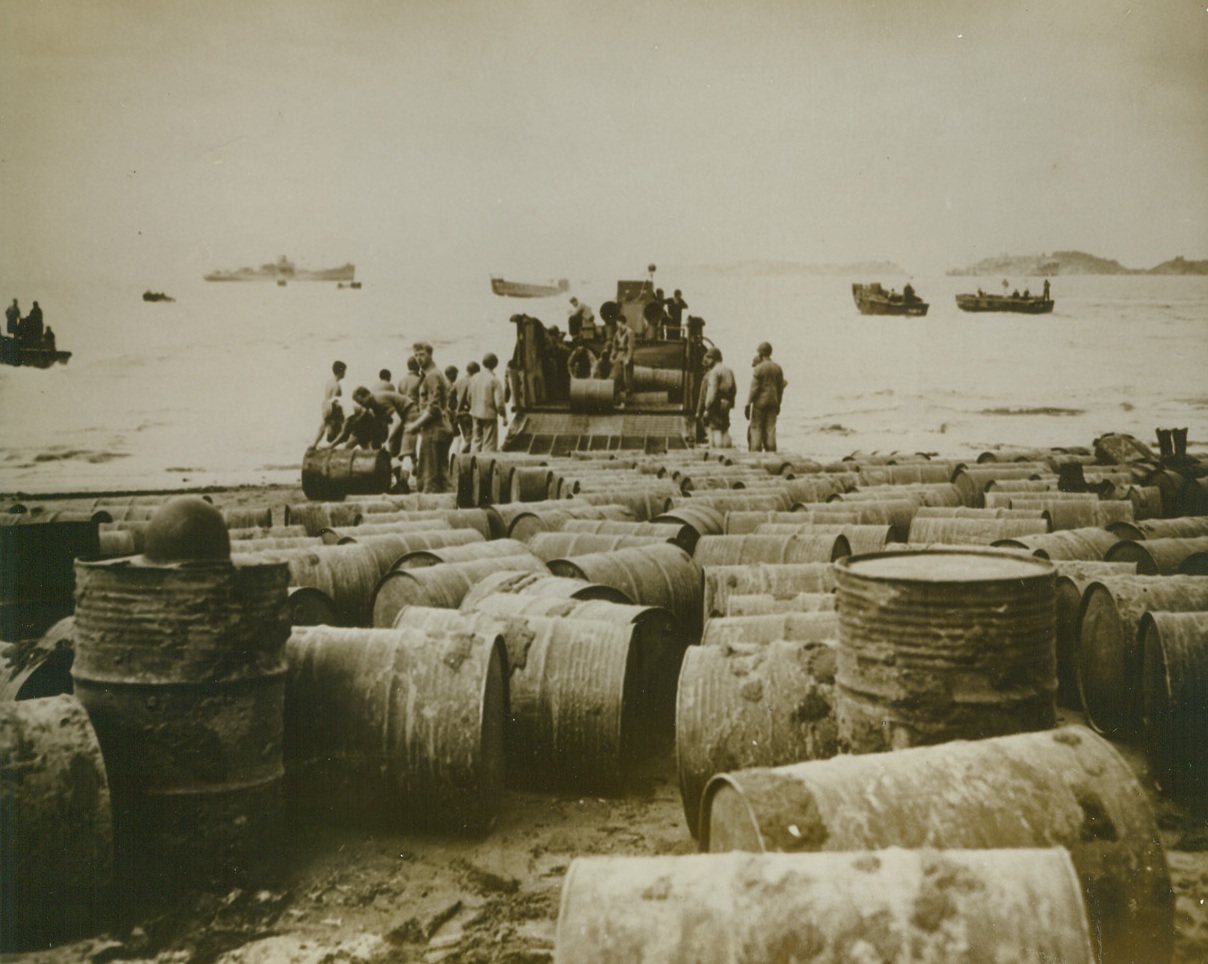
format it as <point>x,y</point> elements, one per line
<point>283,270</point>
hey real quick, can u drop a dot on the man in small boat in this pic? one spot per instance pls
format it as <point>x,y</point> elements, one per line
<point>12,315</point>
<point>908,293</point>
<point>763,400</point>
<point>1027,292</point>
<point>486,397</point>
<point>31,329</point>
<point>332,414</point>
<point>1046,289</point>
<point>48,339</point>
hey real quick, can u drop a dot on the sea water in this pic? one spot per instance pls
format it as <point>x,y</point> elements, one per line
<point>223,386</point>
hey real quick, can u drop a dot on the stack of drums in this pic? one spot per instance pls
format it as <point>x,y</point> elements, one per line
<point>181,668</point>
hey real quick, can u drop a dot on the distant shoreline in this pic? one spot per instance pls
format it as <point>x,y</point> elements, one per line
<point>1073,262</point>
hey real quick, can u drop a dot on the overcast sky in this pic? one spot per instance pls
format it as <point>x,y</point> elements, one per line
<point>534,137</point>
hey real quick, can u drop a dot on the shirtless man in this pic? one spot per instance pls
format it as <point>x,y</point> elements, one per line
<point>333,415</point>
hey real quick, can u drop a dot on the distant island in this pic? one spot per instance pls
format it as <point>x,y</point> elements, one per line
<point>1072,262</point>
<point>796,269</point>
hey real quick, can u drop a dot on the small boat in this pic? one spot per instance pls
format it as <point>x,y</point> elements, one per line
<point>517,289</point>
<point>32,356</point>
<point>1025,304</point>
<point>156,296</point>
<point>873,299</point>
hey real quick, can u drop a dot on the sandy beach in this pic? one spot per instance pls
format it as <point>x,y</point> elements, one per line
<point>378,894</point>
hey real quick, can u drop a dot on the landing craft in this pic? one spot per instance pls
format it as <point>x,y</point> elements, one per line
<point>568,396</point>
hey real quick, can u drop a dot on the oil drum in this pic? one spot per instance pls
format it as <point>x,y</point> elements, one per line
<point>745,705</point>
<point>887,905</point>
<point>943,645</point>
<point>1061,788</point>
<point>56,824</point>
<point>331,474</point>
<point>1174,697</point>
<point>396,726</point>
<point>181,669</point>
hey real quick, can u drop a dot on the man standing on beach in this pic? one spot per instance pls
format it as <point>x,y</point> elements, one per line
<point>719,393</point>
<point>459,407</point>
<point>333,415</point>
<point>763,402</point>
<point>486,399</point>
<point>435,432</point>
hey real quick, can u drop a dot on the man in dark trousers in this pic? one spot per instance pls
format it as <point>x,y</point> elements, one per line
<point>763,401</point>
<point>12,315</point>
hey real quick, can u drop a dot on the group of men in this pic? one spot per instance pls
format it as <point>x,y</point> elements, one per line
<point>581,320</point>
<point>29,331</point>
<point>719,394</point>
<point>418,419</point>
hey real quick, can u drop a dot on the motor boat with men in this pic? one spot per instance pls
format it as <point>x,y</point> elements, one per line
<point>873,299</point>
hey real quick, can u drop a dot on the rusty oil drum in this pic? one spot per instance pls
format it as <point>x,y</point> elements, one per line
<point>657,648</point>
<point>883,905</point>
<point>538,583</point>
<point>396,726</point>
<point>1062,788</point>
<point>182,671</point>
<point>661,575</point>
<point>593,395</point>
<point>330,474</point>
<point>768,628</point>
<point>1108,659</point>
<point>778,581</point>
<point>56,824</point>
<point>943,645</point>
<point>443,585</point>
<point>1174,697</point>
<point>744,705</point>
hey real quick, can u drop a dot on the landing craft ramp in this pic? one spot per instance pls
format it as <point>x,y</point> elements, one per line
<point>567,398</point>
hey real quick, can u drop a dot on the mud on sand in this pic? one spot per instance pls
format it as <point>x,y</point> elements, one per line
<point>342,894</point>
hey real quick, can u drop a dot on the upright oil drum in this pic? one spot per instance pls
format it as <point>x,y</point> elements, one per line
<point>888,905</point>
<point>943,645</point>
<point>1062,788</point>
<point>180,664</point>
<point>331,474</point>
<point>1175,698</point>
<point>56,824</point>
